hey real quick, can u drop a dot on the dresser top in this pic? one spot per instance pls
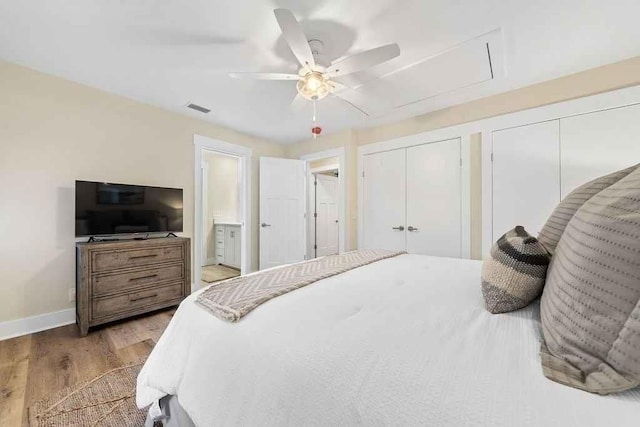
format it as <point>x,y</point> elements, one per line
<point>124,243</point>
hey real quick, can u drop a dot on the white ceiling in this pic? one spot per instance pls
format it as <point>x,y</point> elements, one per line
<point>171,52</point>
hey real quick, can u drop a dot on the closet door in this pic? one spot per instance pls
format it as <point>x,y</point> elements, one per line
<point>599,143</point>
<point>526,176</point>
<point>434,199</point>
<point>383,200</point>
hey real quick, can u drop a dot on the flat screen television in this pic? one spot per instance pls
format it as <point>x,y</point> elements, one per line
<point>104,208</point>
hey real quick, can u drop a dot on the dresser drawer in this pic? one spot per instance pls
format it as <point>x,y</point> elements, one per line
<point>103,261</point>
<point>112,283</point>
<point>142,300</point>
<point>219,230</point>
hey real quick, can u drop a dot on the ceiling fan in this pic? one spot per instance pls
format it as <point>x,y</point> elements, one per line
<point>314,80</point>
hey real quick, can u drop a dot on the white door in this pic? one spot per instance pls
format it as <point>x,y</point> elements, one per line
<point>434,190</point>
<point>597,144</point>
<point>526,176</point>
<point>383,200</point>
<point>282,208</point>
<point>326,219</point>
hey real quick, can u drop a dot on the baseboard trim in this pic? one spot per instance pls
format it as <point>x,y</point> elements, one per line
<point>41,322</point>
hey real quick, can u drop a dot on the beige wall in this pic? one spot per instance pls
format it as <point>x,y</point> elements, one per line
<point>590,82</point>
<point>52,132</point>
<point>222,195</point>
<point>476,195</point>
<point>321,163</point>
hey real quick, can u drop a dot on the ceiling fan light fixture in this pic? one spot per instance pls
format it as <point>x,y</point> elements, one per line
<point>313,86</point>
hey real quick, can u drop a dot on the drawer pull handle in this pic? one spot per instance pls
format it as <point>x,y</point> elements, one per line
<point>141,298</point>
<point>151,276</point>
<point>144,256</point>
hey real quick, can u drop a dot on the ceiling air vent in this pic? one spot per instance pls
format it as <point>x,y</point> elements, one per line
<point>199,108</point>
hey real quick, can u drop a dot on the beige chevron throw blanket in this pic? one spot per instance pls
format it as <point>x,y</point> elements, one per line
<point>234,298</point>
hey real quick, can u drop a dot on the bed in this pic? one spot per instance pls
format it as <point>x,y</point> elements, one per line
<point>403,341</point>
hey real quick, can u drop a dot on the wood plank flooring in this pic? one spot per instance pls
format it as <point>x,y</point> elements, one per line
<point>37,365</point>
<point>217,272</point>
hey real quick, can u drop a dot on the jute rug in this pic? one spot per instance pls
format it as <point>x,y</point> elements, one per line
<point>107,400</point>
<point>215,273</point>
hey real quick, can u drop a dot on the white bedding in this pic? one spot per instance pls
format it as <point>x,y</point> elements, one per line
<point>404,341</point>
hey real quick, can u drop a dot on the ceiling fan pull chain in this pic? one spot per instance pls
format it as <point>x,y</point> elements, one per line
<point>315,129</point>
<point>315,116</point>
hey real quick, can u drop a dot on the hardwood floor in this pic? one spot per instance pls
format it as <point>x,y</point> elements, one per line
<point>215,273</point>
<point>37,365</point>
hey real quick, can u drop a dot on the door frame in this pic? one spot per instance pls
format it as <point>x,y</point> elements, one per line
<point>422,139</point>
<point>342,191</point>
<point>244,154</point>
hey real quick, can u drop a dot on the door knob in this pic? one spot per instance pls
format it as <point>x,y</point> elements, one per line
<point>411,228</point>
<point>399,228</point>
<point>264,224</point>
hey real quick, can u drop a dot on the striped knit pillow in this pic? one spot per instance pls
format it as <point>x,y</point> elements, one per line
<point>550,234</point>
<point>514,273</point>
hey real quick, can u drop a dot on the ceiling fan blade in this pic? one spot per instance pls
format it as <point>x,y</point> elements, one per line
<point>295,37</point>
<point>337,86</point>
<point>351,97</point>
<point>264,76</point>
<point>363,60</point>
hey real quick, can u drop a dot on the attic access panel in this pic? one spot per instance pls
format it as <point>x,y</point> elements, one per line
<point>460,67</point>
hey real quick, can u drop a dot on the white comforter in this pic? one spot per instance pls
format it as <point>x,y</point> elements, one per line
<point>404,341</point>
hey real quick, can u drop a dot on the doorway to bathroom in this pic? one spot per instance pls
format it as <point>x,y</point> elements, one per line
<point>222,234</point>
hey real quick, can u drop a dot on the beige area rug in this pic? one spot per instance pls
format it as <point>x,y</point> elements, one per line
<point>107,400</point>
<point>215,273</point>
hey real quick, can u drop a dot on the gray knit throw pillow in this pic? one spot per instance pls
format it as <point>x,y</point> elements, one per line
<point>514,273</point>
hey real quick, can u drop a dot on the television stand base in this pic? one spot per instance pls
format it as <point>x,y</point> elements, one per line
<point>171,235</point>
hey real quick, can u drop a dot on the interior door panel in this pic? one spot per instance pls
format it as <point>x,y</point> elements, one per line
<point>434,223</point>
<point>384,200</point>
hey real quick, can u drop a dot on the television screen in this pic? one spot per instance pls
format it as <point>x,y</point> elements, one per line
<point>104,208</point>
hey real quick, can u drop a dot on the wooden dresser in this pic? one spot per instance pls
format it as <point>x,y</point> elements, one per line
<point>115,280</point>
